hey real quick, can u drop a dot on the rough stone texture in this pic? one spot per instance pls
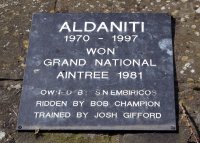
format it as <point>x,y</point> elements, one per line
<point>15,19</point>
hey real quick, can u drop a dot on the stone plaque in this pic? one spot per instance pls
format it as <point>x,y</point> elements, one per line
<point>95,71</point>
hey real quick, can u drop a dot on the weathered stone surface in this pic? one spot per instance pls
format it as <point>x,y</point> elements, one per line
<point>15,19</point>
<point>15,22</point>
<point>150,138</point>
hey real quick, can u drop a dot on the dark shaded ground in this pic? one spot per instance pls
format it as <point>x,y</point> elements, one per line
<point>15,20</point>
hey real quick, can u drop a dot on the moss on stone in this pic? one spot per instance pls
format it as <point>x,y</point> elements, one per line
<point>75,138</point>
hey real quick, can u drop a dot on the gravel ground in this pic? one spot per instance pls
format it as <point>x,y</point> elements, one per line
<point>15,20</point>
